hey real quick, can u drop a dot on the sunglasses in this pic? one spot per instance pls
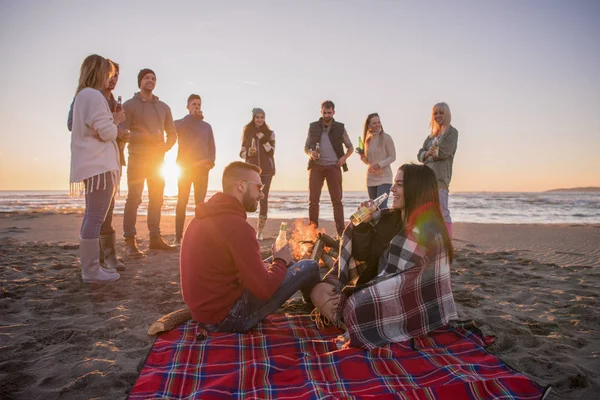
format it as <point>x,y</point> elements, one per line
<point>260,185</point>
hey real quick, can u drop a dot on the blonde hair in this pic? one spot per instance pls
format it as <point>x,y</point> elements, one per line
<point>95,71</point>
<point>437,129</point>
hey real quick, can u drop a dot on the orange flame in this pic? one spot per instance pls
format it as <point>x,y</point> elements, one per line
<point>304,237</point>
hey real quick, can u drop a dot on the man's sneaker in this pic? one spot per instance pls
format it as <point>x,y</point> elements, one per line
<point>177,241</point>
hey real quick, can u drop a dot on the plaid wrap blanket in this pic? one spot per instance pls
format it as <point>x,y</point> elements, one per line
<point>287,357</point>
<point>410,296</point>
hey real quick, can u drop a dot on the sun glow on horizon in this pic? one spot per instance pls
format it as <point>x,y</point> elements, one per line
<point>170,171</point>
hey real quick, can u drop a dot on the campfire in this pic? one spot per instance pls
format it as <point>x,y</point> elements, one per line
<point>310,243</point>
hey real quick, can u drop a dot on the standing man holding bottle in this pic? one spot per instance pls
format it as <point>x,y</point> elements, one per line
<point>148,119</point>
<point>195,158</point>
<point>324,145</point>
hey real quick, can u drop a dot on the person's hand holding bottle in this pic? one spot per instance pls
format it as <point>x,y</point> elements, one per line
<point>252,150</point>
<point>123,134</point>
<point>285,253</point>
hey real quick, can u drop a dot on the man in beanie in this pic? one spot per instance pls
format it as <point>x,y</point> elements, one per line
<point>148,119</point>
<point>196,157</point>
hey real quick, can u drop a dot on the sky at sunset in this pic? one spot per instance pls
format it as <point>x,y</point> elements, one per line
<point>521,78</point>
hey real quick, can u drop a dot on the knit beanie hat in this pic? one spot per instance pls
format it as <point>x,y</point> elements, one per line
<point>143,73</point>
<point>256,111</point>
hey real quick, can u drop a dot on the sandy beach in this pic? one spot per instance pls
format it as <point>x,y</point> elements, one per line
<point>534,287</point>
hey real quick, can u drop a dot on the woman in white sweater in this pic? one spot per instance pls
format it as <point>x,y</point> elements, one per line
<point>95,163</point>
<point>379,153</point>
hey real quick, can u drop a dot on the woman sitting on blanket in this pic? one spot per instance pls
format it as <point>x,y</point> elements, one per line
<point>392,279</point>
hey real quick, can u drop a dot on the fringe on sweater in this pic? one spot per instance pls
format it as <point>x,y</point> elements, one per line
<point>96,182</point>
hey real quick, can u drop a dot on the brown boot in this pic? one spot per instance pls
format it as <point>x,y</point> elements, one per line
<point>131,248</point>
<point>158,243</point>
<point>260,226</point>
<point>108,252</point>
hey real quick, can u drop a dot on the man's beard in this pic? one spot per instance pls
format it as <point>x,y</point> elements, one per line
<point>249,203</point>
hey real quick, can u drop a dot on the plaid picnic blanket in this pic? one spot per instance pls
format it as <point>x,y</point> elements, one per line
<point>287,357</point>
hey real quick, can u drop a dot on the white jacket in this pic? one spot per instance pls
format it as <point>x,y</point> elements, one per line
<point>94,149</point>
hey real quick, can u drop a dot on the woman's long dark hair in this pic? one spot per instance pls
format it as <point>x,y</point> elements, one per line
<point>250,129</point>
<point>421,195</point>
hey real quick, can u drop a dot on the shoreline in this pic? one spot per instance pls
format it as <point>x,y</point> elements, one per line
<point>563,244</point>
<point>535,287</point>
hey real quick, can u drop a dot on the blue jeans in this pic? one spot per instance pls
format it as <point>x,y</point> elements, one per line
<point>443,193</point>
<point>248,311</point>
<point>97,204</point>
<point>376,191</point>
<point>139,169</point>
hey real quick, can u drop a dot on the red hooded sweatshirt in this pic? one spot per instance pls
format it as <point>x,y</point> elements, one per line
<point>220,257</point>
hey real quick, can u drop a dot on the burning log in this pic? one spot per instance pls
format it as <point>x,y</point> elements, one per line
<point>328,260</point>
<point>329,241</point>
<point>333,252</point>
<point>317,250</point>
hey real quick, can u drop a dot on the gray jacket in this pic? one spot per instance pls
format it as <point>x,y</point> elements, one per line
<point>442,165</point>
<point>148,121</point>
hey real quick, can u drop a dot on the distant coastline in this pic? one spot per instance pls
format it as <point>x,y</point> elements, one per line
<point>587,189</point>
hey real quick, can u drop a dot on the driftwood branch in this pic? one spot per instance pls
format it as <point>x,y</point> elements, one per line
<point>329,241</point>
<point>170,321</point>
<point>327,260</point>
<point>317,250</point>
<point>333,252</point>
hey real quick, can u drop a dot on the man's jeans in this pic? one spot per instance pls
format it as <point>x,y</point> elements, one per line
<point>97,203</point>
<point>318,174</point>
<point>248,311</point>
<point>199,177</point>
<point>140,169</point>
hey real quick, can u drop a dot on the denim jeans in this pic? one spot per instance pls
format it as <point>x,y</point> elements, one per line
<point>248,311</point>
<point>97,203</point>
<point>376,191</point>
<point>264,203</point>
<point>199,177</point>
<point>443,193</point>
<point>142,169</point>
<point>107,227</point>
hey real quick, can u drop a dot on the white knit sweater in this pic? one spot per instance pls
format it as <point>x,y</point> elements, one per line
<point>381,150</point>
<point>94,148</point>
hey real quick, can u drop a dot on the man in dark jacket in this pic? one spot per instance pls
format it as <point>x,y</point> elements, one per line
<point>196,157</point>
<point>326,163</point>
<point>148,119</point>
<point>224,282</point>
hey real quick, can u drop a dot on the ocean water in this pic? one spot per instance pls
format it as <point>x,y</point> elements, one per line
<point>488,207</point>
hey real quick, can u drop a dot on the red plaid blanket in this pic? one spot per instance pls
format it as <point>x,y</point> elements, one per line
<point>287,357</point>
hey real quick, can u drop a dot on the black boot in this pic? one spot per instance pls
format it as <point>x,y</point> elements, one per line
<point>101,253</point>
<point>158,243</point>
<point>131,248</point>
<point>108,252</point>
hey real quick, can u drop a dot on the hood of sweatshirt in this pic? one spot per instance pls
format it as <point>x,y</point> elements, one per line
<point>220,204</point>
<point>138,96</point>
